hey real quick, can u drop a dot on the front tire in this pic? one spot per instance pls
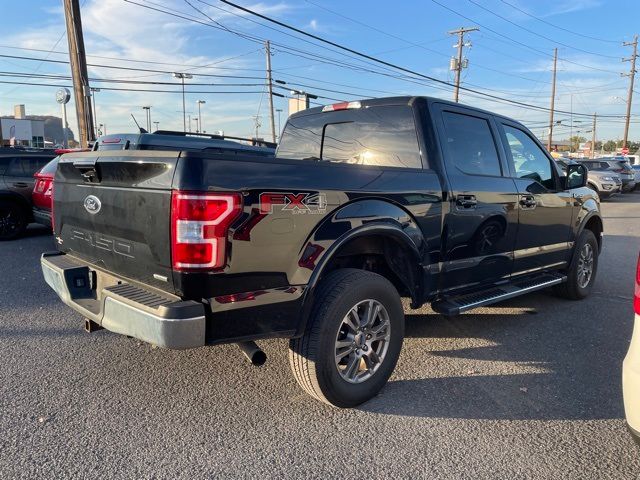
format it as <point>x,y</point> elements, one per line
<point>582,272</point>
<point>352,340</point>
<point>13,220</point>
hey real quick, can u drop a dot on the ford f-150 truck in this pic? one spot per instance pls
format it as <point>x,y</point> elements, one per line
<point>364,203</point>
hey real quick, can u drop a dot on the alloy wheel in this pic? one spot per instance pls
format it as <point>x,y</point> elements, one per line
<point>362,341</point>
<point>585,265</point>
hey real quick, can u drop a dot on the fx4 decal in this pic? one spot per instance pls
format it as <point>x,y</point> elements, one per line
<point>303,202</point>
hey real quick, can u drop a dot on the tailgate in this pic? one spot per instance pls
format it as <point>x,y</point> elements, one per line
<point>112,209</point>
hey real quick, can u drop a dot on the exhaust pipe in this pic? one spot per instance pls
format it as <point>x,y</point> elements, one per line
<point>253,352</point>
<point>91,326</point>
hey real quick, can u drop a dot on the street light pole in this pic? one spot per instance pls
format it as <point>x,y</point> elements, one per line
<point>200,102</point>
<point>95,112</point>
<point>156,124</point>
<point>182,76</point>
<point>279,110</point>
<point>147,112</point>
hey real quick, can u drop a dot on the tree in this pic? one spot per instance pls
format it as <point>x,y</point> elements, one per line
<point>610,146</point>
<point>576,141</point>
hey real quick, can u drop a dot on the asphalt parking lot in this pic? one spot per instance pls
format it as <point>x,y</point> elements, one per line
<point>529,388</point>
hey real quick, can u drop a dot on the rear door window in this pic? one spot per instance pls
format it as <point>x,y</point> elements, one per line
<point>472,148</point>
<point>25,166</point>
<point>380,136</point>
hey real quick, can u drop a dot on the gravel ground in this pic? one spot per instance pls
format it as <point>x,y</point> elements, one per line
<point>529,388</point>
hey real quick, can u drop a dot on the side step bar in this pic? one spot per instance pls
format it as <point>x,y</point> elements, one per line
<point>455,305</point>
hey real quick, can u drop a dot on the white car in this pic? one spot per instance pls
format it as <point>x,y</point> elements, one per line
<point>631,369</point>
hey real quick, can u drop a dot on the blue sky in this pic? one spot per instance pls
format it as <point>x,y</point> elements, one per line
<point>510,56</point>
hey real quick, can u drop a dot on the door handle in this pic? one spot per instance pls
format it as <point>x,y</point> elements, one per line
<point>20,185</point>
<point>466,201</point>
<point>528,201</point>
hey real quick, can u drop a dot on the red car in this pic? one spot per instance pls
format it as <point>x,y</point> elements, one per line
<point>43,189</point>
<point>42,192</point>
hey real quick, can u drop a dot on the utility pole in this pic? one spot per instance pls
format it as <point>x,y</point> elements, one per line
<point>553,98</point>
<point>631,75</point>
<point>593,137</point>
<point>457,64</point>
<point>267,48</point>
<point>78,63</point>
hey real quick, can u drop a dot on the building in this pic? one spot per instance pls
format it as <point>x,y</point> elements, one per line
<point>20,130</point>
<point>32,130</point>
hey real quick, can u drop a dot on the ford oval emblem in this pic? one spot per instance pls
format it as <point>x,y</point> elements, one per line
<point>92,204</point>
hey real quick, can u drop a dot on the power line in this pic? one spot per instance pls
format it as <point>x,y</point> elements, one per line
<point>150,62</point>
<point>383,62</point>
<point>539,34</point>
<point>133,82</point>
<point>127,89</point>
<point>557,26</point>
<point>18,57</point>
<point>529,47</point>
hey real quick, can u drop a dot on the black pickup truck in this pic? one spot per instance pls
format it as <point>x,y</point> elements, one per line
<point>363,203</point>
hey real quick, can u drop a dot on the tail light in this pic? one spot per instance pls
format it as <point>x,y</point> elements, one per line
<point>341,106</point>
<point>199,225</point>
<point>636,298</point>
<point>53,225</point>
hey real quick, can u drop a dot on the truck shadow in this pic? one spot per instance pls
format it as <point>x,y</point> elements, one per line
<point>543,366</point>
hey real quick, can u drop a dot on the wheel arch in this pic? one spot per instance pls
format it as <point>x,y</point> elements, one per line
<point>395,255</point>
<point>594,223</point>
<point>18,200</point>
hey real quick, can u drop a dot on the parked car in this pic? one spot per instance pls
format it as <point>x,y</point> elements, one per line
<point>636,169</point>
<point>631,369</point>
<point>17,167</point>
<point>621,167</point>
<point>180,141</point>
<point>364,203</point>
<point>42,193</point>
<point>605,183</point>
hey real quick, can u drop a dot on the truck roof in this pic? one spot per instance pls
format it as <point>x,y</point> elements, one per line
<point>403,100</point>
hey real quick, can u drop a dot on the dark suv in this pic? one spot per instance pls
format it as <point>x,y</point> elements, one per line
<point>17,168</point>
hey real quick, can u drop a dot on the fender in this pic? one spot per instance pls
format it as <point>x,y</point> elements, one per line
<point>363,218</point>
<point>584,219</point>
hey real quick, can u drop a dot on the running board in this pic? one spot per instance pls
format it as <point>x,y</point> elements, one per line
<point>455,305</point>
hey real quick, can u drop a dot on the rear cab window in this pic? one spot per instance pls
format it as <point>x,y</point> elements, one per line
<point>383,136</point>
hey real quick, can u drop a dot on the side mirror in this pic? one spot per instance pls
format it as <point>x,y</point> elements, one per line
<point>576,176</point>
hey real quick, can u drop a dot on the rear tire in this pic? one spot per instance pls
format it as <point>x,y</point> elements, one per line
<point>13,220</point>
<point>341,365</point>
<point>582,272</point>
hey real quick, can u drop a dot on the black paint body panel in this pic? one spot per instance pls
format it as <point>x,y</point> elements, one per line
<point>269,253</point>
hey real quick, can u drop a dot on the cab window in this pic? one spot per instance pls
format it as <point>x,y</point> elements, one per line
<point>529,160</point>
<point>470,144</point>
